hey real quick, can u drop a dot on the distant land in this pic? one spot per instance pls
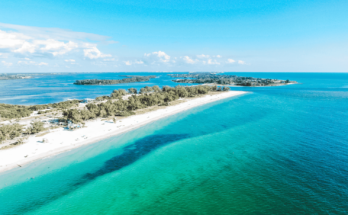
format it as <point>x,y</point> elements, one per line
<point>194,78</point>
<point>14,76</point>
<point>213,78</point>
<point>130,79</point>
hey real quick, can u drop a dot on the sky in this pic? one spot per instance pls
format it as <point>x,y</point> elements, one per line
<point>173,35</point>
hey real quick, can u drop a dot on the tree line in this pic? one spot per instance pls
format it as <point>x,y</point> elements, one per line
<point>130,79</point>
<point>205,78</point>
<point>12,131</point>
<point>8,111</point>
<point>149,96</point>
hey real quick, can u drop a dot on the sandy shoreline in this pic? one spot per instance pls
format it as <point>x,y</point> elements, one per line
<point>61,140</point>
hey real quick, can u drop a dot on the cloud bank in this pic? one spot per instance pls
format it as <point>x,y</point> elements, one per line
<point>59,50</point>
<point>161,58</point>
<point>18,43</point>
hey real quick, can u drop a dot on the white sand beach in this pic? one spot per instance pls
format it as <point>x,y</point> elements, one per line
<point>60,140</point>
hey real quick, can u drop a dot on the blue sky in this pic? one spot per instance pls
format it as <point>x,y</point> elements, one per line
<point>149,35</point>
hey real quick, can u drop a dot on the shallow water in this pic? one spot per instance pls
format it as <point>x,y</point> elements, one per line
<point>275,150</point>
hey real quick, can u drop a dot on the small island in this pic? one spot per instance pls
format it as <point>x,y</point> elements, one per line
<point>212,78</point>
<point>129,79</point>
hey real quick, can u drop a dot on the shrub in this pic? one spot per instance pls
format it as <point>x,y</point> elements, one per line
<point>9,132</point>
<point>125,113</point>
<point>35,127</point>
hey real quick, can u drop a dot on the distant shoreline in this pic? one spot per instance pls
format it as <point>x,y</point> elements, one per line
<point>229,85</point>
<point>60,140</point>
<point>129,79</point>
<point>13,77</point>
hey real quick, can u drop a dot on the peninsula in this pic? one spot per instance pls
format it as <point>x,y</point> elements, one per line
<point>212,78</point>
<point>50,131</point>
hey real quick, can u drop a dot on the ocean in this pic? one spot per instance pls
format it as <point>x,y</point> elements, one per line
<point>44,89</point>
<point>274,150</point>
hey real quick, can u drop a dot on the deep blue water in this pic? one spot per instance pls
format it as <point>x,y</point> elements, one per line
<point>275,150</point>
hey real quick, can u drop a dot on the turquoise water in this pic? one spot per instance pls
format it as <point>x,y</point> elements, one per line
<point>275,150</point>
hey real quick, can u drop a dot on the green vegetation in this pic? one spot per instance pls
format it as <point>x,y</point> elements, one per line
<point>14,111</point>
<point>132,91</point>
<point>209,78</point>
<point>12,131</point>
<point>19,142</point>
<point>35,127</point>
<point>9,132</point>
<point>113,105</point>
<point>18,111</point>
<point>147,89</point>
<point>116,94</point>
<point>60,105</point>
<point>150,96</point>
<point>45,111</point>
<point>130,79</point>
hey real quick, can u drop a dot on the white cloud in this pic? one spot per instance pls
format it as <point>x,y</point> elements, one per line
<point>20,43</point>
<point>3,55</point>
<point>203,56</point>
<point>160,59</point>
<point>188,60</point>
<point>94,53</point>
<point>12,40</point>
<point>35,42</point>
<point>32,63</point>
<point>57,47</point>
<point>72,61</point>
<point>211,62</point>
<point>230,61</point>
<point>109,59</point>
<point>56,33</point>
<point>8,64</point>
<point>128,63</point>
<point>157,57</point>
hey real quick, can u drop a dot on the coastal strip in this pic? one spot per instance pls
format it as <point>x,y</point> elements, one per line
<point>60,140</point>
